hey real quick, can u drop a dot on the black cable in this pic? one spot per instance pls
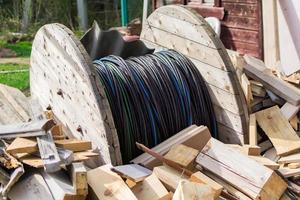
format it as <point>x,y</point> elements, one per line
<point>153,97</point>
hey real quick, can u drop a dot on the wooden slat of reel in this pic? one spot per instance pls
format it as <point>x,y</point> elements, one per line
<point>62,77</point>
<point>179,28</point>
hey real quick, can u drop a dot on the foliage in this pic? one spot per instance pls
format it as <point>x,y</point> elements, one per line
<point>22,49</point>
<point>18,80</point>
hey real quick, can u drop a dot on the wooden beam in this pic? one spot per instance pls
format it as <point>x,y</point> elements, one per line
<point>193,136</point>
<point>32,187</point>
<point>278,129</point>
<point>150,189</point>
<point>199,177</point>
<point>294,158</point>
<point>289,110</point>
<point>230,165</point>
<point>252,130</point>
<point>186,189</point>
<point>22,145</point>
<point>256,69</point>
<point>270,32</point>
<point>134,172</point>
<point>74,144</point>
<point>112,186</point>
<point>169,177</point>
<point>29,129</point>
<point>183,155</point>
<point>287,172</point>
<point>78,175</point>
<point>47,149</point>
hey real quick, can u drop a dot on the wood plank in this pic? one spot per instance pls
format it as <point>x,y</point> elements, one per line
<point>293,165</point>
<point>74,144</point>
<point>289,110</point>
<point>256,69</point>
<point>252,130</point>
<point>133,172</point>
<point>287,172</point>
<point>257,89</point>
<point>278,129</point>
<point>32,187</point>
<point>169,177</point>
<point>60,185</point>
<point>183,155</point>
<point>150,189</point>
<point>270,32</point>
<point>78,174</point>
<point>112,187</point>
<point>232,190</point>
<point>8,113</point>
<point>8,95</point>
<point>193,136</point>
<point>47,149</point>
<point>22,145</point>
<point>245,83</point>
<point>199,177</point>
<point>254,180</point>
<point>271,154</point>
<point>187,190</point>
<point>11,130</point>
<point>266,162</point>
<point>289,15</point>
<point>294,158</point>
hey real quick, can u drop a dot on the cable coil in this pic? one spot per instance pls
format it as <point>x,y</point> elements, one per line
<point>153,97</point>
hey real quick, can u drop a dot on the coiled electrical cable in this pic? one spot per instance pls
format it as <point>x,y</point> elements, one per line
<point>153,97</point>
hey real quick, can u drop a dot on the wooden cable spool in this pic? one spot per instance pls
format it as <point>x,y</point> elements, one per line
<point>62,77</point>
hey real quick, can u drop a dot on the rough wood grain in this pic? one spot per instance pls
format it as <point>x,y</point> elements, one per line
<point>198,41</point>
<point>278,129</point>
<point>255,180</point>
<point>62,76</point>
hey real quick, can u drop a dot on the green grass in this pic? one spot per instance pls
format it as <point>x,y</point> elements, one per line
<point>22,49</point>
<point>18,80</point>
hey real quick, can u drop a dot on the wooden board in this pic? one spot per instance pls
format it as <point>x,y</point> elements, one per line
<point>183,155</point>
<point>256,69</point>
<point>62,77</point>
<point>278,129</point>
<point>112,186</point>
<point>187,190</point>
<point>270,31</point>
<point>289,38</point>
<point>22,145</point>
<point>169,177</point>
<point>289,110</point>
<point>199,177</point>
<point>74,144</point>
<point>164,29</point>
<point>192,136</point>
<point>133,172</point>
<point>14,106</point>
<point>255,180</point>
<point>150,189</point>
<point>294,158</point>
<point>32,187</point>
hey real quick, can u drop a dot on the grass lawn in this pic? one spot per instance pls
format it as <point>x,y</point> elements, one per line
<point>18,80</point>
<point>22,49</point>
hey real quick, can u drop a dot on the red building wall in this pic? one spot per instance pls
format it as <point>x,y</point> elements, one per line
<point>242,26</point>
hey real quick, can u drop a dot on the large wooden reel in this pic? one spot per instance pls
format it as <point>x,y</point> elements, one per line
<point>62,77</point>
<point>179,28</point>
